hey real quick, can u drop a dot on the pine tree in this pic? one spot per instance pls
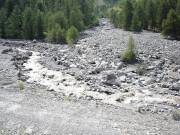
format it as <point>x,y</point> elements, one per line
<point>39,25</point>
<point>178,8</point>
<point>14,23</point>
<point>28,24</point>
<point>128,14</point>
<point>2,23</point>
<point>87,8</point>
<point>76,19</point>
<point>151,14</point>
<point>162,12</point>
<point>72,35</point>
<point>136,23</point>
<point>171,26</point>
<point>9,7</point>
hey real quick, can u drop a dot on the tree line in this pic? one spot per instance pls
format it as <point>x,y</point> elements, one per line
<point>53,20</point>
<point>155,15</point>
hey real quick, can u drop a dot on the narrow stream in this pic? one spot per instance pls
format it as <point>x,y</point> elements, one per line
<point>68,85</point>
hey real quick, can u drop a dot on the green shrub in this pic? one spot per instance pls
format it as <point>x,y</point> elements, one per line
<point>129,55</point>
<point>72,35</point>
<point>21,85</point>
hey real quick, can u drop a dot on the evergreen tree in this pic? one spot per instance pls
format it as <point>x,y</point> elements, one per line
<point>151,14</point>
<point>56,34</point>
<point>136,23</point>
<point>39,25</point>
<point>128,14</point>
<point>72,35</point>
<point>28,24</point>
<point>2,23</point>
<point>13,24</point>
<point>9,7</point>
<point>178,8</point>
<point>162,12</point>
<point>76,19</point>
<point>171,26</point>
<point>87,8</point>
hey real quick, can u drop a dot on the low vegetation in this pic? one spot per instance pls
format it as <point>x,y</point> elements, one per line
<point>21,85</point>
<point>129,56</point>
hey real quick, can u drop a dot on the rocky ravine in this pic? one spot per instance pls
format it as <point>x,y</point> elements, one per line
<point>92,80</point>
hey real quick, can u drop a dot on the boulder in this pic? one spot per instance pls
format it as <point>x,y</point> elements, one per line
<point>111,80</point>
<point>175,87</point>
<point>6,51</point>
<point>176,115</point>
<point>96,71</point>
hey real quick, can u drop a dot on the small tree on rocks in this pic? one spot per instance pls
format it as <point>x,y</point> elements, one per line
<point>129,55</point>
<point>72,35</point>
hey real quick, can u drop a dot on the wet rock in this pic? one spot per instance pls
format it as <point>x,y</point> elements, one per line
<point>50,76</point>
<point>92,62</point>
<point>111,80</point>
<point>111,77</point>
<point>22,77</point>
<point>159,63</point>
<point>28,54</point>
<point>55,58</point>
<point>96,71</point>
<point>80,52</point>
<point>165,85</point>
<point>176,115</point>
<point>175,87</point>
<point>73,66</point>
<point>120,66</point>
<point>63,64</point>
<point>6,51</point>
<point>34,41</point>
<point>122,78</point>
<point>79,78</point>
<point>21,56</point>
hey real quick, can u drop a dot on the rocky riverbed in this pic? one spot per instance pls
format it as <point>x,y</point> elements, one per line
<point>88,75</point>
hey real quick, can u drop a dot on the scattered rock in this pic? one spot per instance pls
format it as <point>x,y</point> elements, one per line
<point>50,76</point>
<point>175,87</point>
<point>120,66</point>
<point>96,71</point>
<point>6,51</point>
<point>111,80</point>
<point>122,78</point>
<point>34,41</point>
